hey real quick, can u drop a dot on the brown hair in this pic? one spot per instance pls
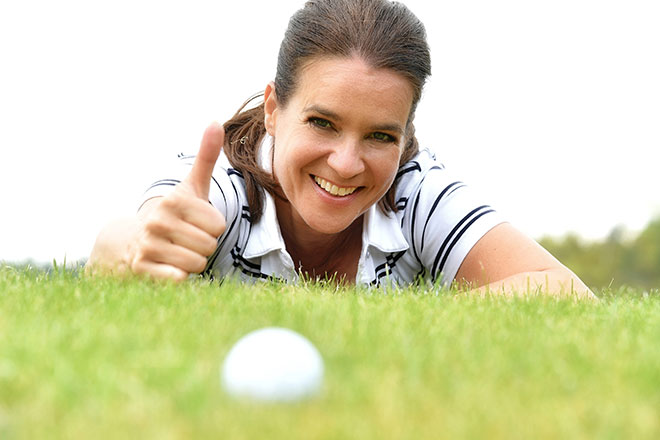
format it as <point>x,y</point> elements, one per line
<point>384,34</point>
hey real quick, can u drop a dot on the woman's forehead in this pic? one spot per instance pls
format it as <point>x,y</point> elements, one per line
<point>338,84</point>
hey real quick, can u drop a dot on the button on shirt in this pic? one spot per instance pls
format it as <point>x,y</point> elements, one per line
<point>438,220</point>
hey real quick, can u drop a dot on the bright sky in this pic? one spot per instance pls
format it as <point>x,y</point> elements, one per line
<point>552,109</point>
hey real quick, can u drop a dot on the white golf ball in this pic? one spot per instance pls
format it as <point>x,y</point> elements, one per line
<point>273,365</point>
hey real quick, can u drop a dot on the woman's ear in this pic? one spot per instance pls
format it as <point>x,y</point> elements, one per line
<point>270,108</point>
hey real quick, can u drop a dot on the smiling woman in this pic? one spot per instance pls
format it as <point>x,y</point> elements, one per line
<point>325,178</point>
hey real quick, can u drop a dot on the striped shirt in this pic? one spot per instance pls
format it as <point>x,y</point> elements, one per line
<point>439,220</point>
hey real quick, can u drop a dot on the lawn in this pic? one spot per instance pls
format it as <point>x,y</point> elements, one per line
<point>106,358</point>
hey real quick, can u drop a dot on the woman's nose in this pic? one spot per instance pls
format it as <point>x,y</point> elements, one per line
<point>346,159</point>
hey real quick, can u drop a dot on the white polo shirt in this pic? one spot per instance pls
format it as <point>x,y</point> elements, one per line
<point>439,220</point>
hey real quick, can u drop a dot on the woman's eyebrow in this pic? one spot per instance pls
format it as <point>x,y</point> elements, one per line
<point>396,128</point>
<point>322,111</point>
<point>393,127</point>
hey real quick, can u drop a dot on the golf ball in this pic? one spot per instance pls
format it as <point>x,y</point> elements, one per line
<point>273,365</point>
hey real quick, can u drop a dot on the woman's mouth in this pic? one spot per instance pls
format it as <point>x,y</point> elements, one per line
<point>334,189</point>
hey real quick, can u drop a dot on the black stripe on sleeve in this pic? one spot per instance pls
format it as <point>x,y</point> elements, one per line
<point>221,243</point>
<point>410,166</point>
<point>401,206</point>
<point>433,207</point>
<point>163,182</point>
<point>414,214</point>
<point>454,190</point>
<point>450,241</point>
<point>412,227</point>
<point>453,243</point>
<point>234,172</point>
<point>223,238</point>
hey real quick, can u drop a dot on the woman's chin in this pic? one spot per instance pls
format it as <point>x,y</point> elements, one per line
<point>330,226</point>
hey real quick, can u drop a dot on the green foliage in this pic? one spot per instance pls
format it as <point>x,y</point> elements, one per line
<point>615,261</point>
<point>88,357</point>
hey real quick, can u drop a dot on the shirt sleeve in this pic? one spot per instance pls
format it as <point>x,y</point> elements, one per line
<point>448,219</point>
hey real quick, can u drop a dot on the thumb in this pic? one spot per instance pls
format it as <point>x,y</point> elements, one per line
<point>209,150</point>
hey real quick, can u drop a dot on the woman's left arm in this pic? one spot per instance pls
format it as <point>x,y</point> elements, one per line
<point>505,261</point>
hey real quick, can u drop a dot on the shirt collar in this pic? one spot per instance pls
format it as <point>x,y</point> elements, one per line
<point>382,231</point>
<point>265,235</point>
<point>379,230</point>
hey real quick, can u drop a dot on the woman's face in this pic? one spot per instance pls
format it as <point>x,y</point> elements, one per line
<point>338,141</point>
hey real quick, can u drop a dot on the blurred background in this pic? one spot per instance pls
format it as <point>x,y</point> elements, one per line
<point>551,109</point>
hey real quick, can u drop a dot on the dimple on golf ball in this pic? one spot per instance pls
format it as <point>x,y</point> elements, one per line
<point>273,365</point>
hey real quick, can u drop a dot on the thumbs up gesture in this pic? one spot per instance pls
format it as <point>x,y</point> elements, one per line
<point>176,233</point>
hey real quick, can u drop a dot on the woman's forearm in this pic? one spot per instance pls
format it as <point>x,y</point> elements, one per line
<point>559,282</point>
<point>111,251</point>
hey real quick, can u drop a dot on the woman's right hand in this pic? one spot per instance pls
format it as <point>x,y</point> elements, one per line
<point>172,236</point>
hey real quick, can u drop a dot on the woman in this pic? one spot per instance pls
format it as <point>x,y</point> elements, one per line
<point>325,178</point>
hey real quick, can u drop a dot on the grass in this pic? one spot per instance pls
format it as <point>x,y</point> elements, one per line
<point>107,358</point>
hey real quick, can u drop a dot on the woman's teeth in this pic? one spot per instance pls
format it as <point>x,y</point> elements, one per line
<point>334,189</point>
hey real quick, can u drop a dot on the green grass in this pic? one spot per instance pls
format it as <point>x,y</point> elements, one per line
<point>108,358</point>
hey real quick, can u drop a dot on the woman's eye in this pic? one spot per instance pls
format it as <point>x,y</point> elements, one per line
<point>321,123</point>
<point>383,137</point>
